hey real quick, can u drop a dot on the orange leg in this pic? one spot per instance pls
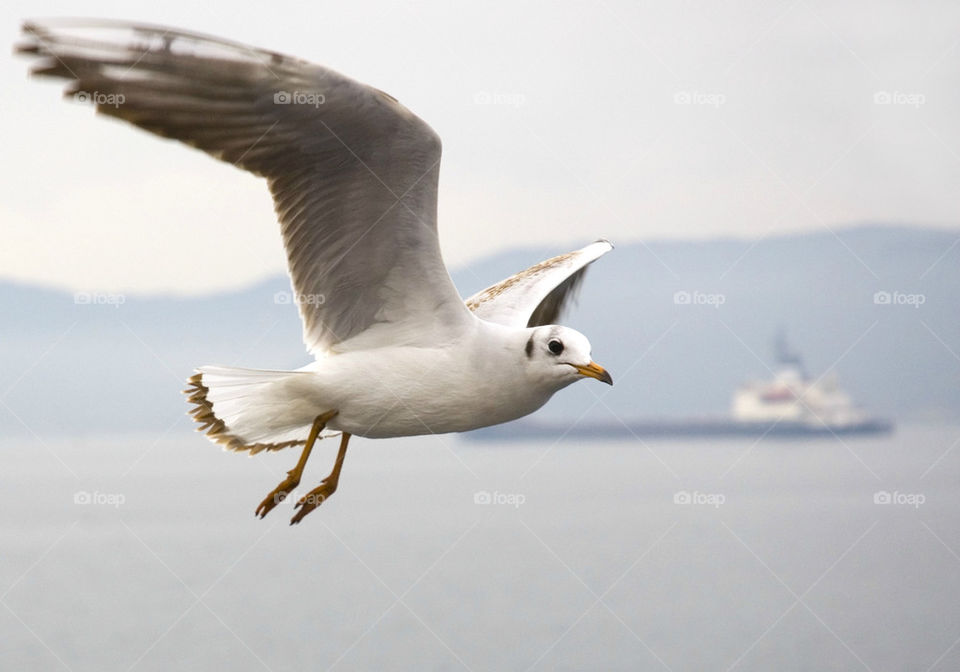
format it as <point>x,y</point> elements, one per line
<point>327,487</point>
<point>279,493</point>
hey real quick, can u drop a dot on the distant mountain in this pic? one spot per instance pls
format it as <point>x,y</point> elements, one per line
<point>679,325</point>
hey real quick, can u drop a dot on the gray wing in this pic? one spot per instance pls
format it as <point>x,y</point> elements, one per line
<point>353,173</point>
<point>538,295</point>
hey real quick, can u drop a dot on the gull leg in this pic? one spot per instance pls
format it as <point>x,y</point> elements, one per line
<point>327,486</point>
<point>279,493</point>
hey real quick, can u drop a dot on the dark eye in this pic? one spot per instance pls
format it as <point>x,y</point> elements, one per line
<point>555,345</point>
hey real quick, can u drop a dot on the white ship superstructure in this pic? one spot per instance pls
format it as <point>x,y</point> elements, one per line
<point>792,397</point>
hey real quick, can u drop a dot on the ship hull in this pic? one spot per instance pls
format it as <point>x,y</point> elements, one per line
<point>679,429</point>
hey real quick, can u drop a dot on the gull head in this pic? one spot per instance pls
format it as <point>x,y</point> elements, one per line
<point>559,356</point>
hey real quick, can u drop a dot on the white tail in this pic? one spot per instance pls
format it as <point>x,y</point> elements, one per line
<point>248,409</point>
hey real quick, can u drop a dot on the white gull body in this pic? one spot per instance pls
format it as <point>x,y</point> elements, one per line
<point>354,178</point>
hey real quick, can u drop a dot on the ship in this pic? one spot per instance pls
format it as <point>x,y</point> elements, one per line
<point>797,402</point>
<point>790,404</point>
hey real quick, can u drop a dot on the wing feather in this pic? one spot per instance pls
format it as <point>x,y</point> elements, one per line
<point>540,294</point>
<point>352,172</point>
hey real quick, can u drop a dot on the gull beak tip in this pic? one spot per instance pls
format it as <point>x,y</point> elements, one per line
<point>594,370</point>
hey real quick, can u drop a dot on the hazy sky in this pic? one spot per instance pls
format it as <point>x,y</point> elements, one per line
<point>561,122</point>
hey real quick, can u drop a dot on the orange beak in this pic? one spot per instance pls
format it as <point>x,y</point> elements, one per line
<point>594,370</point>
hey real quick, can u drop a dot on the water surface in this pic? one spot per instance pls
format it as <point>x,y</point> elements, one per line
<point>143,553</point>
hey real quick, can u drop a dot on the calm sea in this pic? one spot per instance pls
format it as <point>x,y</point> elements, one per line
<point>139,553</point>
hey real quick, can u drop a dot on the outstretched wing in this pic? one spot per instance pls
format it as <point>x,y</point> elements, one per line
<point>353,173</point>
<point>539,294</point>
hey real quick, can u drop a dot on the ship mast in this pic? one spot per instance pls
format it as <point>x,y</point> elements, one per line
<point>786,356</point>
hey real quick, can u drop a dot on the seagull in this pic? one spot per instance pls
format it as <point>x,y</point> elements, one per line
<point>353,175</point>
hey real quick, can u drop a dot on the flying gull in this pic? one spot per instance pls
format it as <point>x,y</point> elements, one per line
<point>353,174</point>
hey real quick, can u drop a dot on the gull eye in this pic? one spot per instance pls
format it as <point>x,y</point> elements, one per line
<point>555,345</point>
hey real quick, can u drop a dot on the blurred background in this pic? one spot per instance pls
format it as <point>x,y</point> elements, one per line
<point>764,169</point>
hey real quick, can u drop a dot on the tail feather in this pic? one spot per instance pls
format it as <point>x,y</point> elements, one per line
<point>235,409</point>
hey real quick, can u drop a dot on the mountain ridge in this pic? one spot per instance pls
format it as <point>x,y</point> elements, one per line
<point>678,323</point>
